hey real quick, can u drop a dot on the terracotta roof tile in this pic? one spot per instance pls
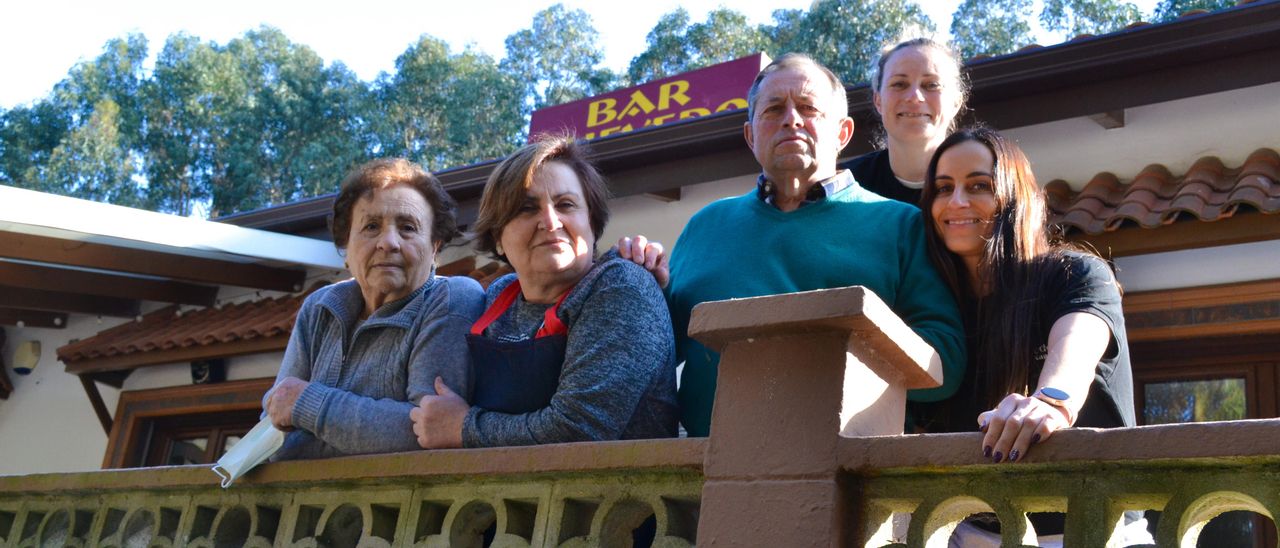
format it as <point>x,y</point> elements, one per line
<point>167,329</point>
<point>1208,191</point>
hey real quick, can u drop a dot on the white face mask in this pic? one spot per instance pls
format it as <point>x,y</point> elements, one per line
<point>256,446</point>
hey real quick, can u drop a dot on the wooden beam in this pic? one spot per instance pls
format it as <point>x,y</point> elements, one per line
<point>59,301</point>
<point>95,399</point>
<point>46,249</point>
<point>51,278</point>
<point>33,318</point>
<point>176,355</point>
<point>670,195</point>
<point>1204,296</point>
<point>6,386</point>
<point>1186,234</point>
<point>1110,119</point>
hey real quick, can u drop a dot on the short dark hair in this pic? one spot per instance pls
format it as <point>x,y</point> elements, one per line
<point>384,173</point>
<point>506,190</point>
<point>795,60</point>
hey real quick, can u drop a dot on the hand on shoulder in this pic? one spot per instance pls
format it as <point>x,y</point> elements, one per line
<point>650,255</point>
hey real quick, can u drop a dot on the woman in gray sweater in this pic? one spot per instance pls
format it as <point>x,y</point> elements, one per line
<point>363,350</point>
<point>572,347</point>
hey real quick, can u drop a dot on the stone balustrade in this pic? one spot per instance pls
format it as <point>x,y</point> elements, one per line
<point>806,451</point>
<point>563,495</point>
<point>1189,472</point>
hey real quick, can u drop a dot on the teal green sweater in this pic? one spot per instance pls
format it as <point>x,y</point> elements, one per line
<point>742,247</point>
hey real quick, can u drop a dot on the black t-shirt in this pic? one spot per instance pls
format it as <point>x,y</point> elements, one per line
<point>1084,283</point>
<point>873,172</point>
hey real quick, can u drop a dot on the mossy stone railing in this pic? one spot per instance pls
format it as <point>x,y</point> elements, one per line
<point>563,495</point>
<point>804,451</point>
<point>1189,472</point>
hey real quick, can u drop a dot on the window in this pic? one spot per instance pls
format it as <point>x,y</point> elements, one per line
<point>1210,379</point>
<point>192,424</point>
<point>196,439</point>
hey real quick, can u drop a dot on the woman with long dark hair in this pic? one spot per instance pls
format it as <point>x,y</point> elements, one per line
<point>1046,337</point>
<point>1047,340</point>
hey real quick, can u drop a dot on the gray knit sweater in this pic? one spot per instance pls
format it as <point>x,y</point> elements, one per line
<point>366,378</point>
<point>618,378</point>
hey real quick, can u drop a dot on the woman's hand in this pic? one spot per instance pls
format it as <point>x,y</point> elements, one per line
<point>651,255</point>
<point>281,400</point>
<point>437,420</point>
<point>1016,424</point>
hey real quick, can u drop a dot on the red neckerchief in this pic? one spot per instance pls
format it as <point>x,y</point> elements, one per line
<point>551,324</point>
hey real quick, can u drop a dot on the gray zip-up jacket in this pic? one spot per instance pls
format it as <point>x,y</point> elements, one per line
<point>366,377</point>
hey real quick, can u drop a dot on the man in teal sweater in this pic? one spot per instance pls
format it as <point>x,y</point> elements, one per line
<point>806,226</point>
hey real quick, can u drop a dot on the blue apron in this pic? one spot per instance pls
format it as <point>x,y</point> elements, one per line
<point>516,377</point>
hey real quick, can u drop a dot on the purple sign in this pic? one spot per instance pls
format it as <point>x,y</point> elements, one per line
<point>716,88</point>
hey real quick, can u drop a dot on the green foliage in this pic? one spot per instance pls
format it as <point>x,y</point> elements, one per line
<point>220,128</point>
<point>1195,401</point>
<point>990,27</point>
<point>1078,17</point>
<point>558,58</point>
<point>446,110</point>
<point>1168,10</point>
<point>848,35</point>
<point>92,162</point>
<point>28,136</point>
<point>677,46</point>
<point>257,122</point>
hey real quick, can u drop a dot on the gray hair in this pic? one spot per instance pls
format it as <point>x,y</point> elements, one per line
<point>796,60</point>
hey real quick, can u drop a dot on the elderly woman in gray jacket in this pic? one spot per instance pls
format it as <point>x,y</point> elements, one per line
<point>365,351</point>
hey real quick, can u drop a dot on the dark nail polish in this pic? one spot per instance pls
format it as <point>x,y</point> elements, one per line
<point>1035,439</point>
<point>983,428</point>
<point>997,457</point>
<point>1013,455</point>
<point>986,452</point>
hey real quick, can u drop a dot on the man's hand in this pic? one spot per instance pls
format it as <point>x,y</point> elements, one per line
<point>281,400</point>
<point>651,255</point>
<point>437,420</point>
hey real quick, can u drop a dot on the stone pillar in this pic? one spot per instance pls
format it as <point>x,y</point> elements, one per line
<point>796,372</point>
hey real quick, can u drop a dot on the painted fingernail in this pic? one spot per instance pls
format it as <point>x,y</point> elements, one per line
<point>997,457</point>
<point>1013,455</point>
<point>983,428</point>
<point>986,452</point>
<point>1035,439</point>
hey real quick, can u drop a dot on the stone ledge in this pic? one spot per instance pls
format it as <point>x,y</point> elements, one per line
<point>1215,442</point>
<point>575,458</point>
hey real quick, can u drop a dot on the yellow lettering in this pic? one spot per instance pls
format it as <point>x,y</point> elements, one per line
<point>590,135</point>
<point>666,94</point>
<point>601,112</point>
<point>639,104</point>
<point>732,104</point>
<point>694,113</point>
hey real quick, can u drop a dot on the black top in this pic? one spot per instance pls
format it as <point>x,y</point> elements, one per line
<point>873,172</point>
<point>1083,284</point>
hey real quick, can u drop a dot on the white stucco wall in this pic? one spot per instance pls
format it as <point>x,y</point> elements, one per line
<point>48,425</point>
<point>663,221</point>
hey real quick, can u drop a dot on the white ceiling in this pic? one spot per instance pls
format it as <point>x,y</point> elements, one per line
<point>1229,125</point>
